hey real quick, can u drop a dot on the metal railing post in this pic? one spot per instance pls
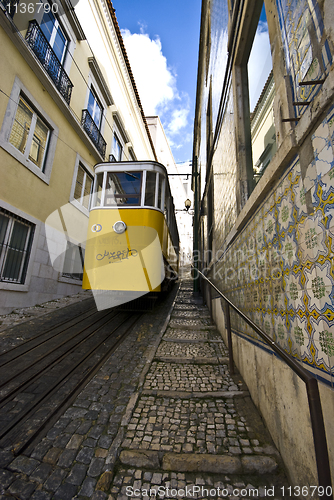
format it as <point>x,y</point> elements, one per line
<point>319,435</point>
<point>229,337</point>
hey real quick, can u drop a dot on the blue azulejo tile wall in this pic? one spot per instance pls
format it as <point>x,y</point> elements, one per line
<point>280,269</point>
<point>306,49</point>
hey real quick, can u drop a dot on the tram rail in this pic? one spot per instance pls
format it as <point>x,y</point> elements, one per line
<point>23,345</point>
<point>41,377</point>
<point>43,356</point>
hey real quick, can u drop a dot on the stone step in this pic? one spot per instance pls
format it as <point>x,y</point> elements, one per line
<point>204,333</point>
<point>196,395</point>
<point>150,482</point>
<point>195,360</point>
<point>193,424</point>
<point>192,341</point>
<point>191,324</point>
<point>196,462</point>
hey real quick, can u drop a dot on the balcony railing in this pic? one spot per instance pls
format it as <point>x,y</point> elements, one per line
<point>41,47</point>
<point>93,132</point>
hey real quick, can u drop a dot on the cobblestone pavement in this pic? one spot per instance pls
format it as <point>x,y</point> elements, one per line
<point>163,418</point>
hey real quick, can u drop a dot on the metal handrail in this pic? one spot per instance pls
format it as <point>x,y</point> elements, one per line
<point>312,388</point>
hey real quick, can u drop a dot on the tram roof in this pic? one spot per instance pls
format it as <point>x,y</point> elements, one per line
<point>130,166</point>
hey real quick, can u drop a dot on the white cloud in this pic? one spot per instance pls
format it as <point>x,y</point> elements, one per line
<point>155,81</point>
<point>259,64</point>
<point>157,86</point>
<point>178,121</point>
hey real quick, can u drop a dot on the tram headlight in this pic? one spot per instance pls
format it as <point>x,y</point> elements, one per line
<point>119,227</point>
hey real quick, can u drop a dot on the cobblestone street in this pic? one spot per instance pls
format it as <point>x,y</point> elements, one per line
<point>162,418</point>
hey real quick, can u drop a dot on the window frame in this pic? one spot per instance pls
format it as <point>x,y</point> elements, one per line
<point>68,32</point>
<point>97,104</point>
<point>32,135</point>
<point>19,90</point>
<point>160,194</point>
<point>117,140</point>
<point>18,287</point>
<point>6,247</point>
<point>73,247</point>
<point>80,162</point>
<point>57,26</point>
<point>125,195</point>
<point>241,101</point>
<point>93,86</point>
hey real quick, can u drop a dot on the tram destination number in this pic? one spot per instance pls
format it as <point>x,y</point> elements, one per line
<point>31,8</point>
<point>305,491</point>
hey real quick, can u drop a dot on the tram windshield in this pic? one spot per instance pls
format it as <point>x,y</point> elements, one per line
<point>121,188</point>
<point>124,189</point>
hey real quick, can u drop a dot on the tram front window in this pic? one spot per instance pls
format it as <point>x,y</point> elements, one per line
<point>123,188</point>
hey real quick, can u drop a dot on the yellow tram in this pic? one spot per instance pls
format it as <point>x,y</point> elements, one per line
<point>132,245</point>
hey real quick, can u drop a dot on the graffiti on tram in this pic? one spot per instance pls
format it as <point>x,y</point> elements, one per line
<point>119,256</point>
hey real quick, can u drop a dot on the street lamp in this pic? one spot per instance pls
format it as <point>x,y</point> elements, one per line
<point>187,204</point>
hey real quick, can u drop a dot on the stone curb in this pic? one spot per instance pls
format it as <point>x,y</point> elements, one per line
<point>194,462</point>
<point>194,361</point>
<point>192,327</point>
<point>192,341</point>
<point>196,395</point>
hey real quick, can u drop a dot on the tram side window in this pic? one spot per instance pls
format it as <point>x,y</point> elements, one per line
<point>166,211</point>
<point>150,188</point>
<point>160,190</point>
<point>123,188</point>
<point>97,200</point>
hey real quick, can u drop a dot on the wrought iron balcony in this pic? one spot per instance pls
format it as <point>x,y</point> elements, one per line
<point>41,47</point>
<point>93,132</point>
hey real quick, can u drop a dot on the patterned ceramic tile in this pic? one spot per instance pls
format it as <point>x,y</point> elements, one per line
<point>304,43</point>
<point>281,265</point>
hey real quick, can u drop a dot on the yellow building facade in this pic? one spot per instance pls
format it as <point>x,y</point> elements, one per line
<point>68,101</point>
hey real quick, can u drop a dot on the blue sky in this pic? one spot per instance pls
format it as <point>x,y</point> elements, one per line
<point>162,40</point>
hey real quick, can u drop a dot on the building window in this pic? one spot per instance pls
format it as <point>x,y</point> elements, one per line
<point>92,121</point>
<point>95,108</point>
<point>54,35</point>
<point>74,261</point>
<point>16,235</point>
<point>29,134</point>
<point>117,148</point>
<point>83,186</point>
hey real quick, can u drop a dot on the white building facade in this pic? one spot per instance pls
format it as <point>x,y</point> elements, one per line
<point>180,183</point>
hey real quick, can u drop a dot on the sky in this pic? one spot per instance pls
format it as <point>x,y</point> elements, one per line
<point>258,73</point>
<point>162,41</point>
